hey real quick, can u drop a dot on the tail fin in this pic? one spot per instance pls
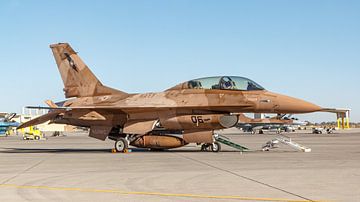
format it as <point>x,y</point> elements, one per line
<point>78,80</point>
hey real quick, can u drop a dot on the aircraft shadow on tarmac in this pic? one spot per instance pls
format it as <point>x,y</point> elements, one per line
<point>135,150</point>
<point>42,150</point>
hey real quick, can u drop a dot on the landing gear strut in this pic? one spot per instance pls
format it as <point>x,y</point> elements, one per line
<point>121,144</point>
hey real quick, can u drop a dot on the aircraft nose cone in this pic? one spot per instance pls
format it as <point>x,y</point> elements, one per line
<point>288,104</point>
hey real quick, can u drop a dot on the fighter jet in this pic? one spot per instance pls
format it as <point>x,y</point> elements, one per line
<point>186,113</point>
<point>6,123</point>
<point>269,123</point>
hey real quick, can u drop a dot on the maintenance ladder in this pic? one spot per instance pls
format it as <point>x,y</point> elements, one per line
<point>287,141</point>
<point>225,140</point>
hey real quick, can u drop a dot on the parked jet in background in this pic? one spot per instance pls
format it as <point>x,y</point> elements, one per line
<point>277,123</point>
<point>6,123</point>
<point>186,113</point>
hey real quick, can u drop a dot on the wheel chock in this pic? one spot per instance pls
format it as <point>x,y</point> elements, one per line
<point>113,150</point>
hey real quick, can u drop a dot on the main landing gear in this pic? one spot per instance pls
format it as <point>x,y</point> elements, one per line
<point>121,144</point>
<point>214,147</point>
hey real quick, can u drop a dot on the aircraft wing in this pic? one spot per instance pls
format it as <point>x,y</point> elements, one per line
<point>139,126</point>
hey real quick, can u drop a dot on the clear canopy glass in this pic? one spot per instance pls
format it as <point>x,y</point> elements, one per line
<point>223,83</point>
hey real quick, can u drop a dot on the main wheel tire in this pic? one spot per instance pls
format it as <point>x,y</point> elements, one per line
<point>215,147</point>
<point>37,138</point>
<point>121,145</point>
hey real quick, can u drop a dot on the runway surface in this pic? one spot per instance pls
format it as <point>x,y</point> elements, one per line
<point>79,168</point>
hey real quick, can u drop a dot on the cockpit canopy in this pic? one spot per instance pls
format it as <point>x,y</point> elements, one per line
<point>221,82</point>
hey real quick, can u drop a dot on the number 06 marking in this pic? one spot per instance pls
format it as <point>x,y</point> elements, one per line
<point>197,119</point>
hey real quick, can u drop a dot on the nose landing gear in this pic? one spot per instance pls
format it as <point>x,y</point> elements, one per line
<point>214,147</point>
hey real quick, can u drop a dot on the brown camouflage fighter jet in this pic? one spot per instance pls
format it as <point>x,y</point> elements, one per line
<point>186,113</point>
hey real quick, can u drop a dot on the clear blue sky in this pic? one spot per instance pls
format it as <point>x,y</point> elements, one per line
<point>306,49</point>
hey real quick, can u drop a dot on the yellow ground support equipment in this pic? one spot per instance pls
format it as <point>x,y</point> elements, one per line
<point>32,133</point>
<point>343,117</point>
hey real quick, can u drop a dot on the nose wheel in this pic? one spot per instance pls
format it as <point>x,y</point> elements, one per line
<point>121,145</point>
<point>214,147</point>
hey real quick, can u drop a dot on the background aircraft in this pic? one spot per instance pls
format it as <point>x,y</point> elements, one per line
<point>278,123</point>
<point>6,123</point>
<point>186,113</point>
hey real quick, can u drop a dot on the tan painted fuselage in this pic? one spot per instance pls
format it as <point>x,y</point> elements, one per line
<point>192,109</point>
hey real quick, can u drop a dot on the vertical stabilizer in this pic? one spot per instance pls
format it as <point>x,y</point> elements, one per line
<point>78,79</point>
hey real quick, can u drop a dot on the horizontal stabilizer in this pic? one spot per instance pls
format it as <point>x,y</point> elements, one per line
<point>41,119</point>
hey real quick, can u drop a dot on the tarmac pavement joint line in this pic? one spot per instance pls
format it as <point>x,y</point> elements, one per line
<point>26,170</point>
<point>247,178</point>
<point>152,193</point>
